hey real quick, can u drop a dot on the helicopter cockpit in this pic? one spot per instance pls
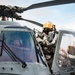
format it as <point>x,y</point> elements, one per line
<point>20,43</point>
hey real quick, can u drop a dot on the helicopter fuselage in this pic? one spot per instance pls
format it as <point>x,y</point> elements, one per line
<point>29,51</point>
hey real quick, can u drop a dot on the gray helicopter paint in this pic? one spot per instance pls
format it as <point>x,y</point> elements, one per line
<point>16,68</point>
<point>14,26</point>
<point>9,23</point>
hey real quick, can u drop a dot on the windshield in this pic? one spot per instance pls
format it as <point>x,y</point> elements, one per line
<point>21,43</point>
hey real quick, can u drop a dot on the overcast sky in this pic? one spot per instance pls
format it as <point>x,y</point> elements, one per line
<point>63,16</point>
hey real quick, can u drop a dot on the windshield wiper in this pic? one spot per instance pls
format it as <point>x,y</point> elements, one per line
<point>5,50</point>
<point>8,50</point>
<point>1,51</point>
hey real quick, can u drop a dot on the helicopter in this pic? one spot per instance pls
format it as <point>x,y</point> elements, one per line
<point>21,54</point>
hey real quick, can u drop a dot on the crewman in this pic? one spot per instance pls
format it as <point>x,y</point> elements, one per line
<point>47,38</point>
<point>49,41</point>
<point>50,34</point>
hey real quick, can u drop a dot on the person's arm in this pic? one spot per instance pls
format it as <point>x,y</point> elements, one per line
<point>54,40</point>
<point>70,56</point>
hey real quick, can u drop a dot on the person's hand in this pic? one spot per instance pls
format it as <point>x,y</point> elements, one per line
<point>64,51</point>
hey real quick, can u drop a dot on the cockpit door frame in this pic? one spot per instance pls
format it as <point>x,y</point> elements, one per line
<point>55,68</point>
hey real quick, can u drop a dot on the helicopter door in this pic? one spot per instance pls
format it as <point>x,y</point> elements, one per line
<point>64,58</point>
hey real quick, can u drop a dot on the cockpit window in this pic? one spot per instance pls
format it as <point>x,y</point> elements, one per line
<point>21,43</point>
<point>67,51</point>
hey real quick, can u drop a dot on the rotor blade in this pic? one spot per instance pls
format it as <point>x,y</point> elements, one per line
<point>36,23</point>
<point>49,3</point>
